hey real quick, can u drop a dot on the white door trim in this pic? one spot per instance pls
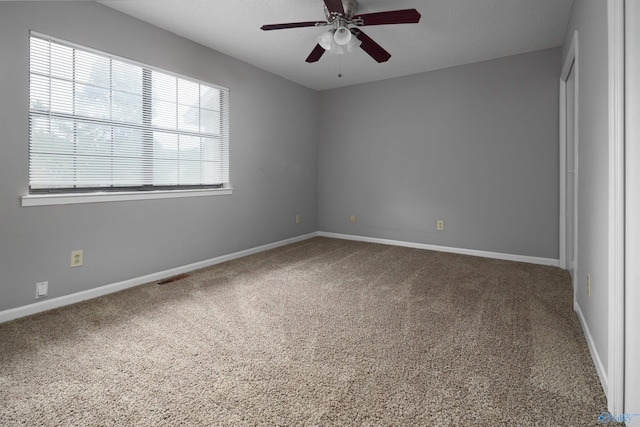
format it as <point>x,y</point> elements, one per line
<point>615,368</point>
<point>570,62</point>
<point>632,211</point>
<point>563,168</point>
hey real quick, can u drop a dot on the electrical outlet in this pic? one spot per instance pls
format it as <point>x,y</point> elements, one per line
<point>298,219</point>
<point>440,225</point>
<point>42,289</point>
<point>588,285</point>
<point>76,258</point>
<point>352,219</point>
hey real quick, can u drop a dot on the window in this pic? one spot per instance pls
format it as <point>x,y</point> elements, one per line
<point>99,123</point>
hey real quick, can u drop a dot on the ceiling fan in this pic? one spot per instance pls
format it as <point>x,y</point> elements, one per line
<point>342,16</point>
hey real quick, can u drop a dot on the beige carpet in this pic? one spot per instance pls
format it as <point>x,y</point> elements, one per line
<point>322,332</point>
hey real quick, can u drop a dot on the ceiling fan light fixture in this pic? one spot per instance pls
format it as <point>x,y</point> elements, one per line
<point>326,40</point>
<point>328,43</point>
<point>342,35</point>
<point>353,43</point>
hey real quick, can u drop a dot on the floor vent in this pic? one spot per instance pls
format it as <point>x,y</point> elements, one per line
<point>173,279</point>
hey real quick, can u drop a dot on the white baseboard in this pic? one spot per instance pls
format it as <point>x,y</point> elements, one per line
<point>50,304</point>
<point>600,369</point>
<point>472,252</point>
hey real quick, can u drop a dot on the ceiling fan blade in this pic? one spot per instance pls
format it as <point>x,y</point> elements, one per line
<point>293,25</point>
<point>334,6</point>
<point>372,48</point>
<point>404,16</point>
<point>315,54</point>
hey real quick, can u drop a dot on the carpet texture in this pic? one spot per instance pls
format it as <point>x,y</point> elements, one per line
<point>321,332</point>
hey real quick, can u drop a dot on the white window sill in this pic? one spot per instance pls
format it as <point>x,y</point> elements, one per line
<point>74,198</point>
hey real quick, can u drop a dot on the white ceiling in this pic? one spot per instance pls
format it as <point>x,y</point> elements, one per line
<point>451,32</point>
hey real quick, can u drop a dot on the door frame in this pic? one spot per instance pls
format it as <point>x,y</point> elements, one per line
<point>612,375</point>
<point>570,63</point>
<point>616,223</point>
<point>632,210</point>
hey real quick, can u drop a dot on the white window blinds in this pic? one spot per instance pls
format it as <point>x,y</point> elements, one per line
<point>102,123</point>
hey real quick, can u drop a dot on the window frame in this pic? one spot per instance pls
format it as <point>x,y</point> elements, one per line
<point>70,195</point>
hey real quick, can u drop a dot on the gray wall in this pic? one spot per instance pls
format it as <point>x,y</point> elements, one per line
<point>589,18</point>
<point>273,164</point>
<point>474,145</point>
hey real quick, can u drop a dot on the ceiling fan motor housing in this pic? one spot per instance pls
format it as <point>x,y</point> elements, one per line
<point>350,9</point>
